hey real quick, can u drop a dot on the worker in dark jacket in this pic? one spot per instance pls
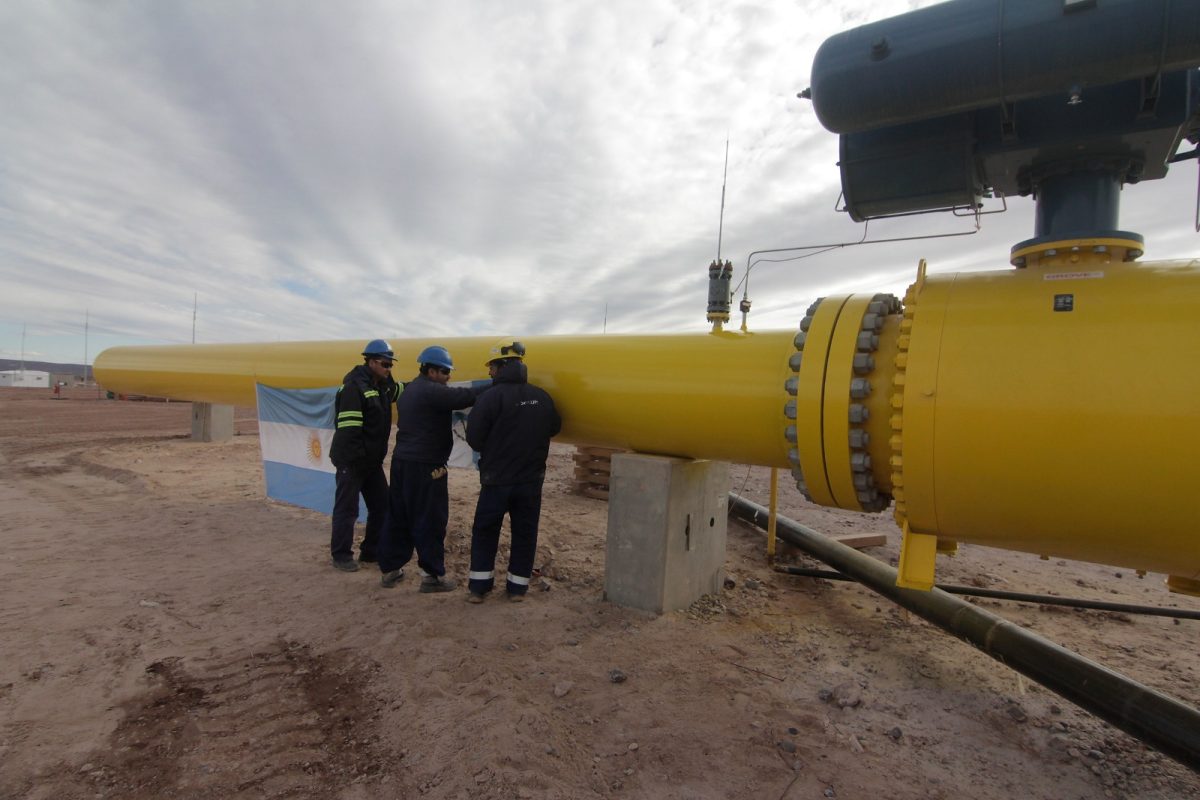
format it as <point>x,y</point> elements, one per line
<point>363,409</point>
<point>419,500</point>
<point>511,427</point>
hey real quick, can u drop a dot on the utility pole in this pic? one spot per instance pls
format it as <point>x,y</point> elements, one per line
<point>23,326</point>
<point>86,320</point>
<point>195,297</point>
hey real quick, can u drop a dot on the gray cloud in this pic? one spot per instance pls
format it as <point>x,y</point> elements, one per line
<point>318,170</point>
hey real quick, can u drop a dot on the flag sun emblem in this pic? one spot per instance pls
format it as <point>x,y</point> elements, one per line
<point>314,448</point>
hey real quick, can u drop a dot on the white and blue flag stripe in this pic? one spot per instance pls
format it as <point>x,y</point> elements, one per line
<point>461,454</point>
<point>295,429</point>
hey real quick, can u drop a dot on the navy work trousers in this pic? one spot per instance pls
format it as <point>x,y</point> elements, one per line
<point>350,482</point>
<point>418,509</point>
<point>523,504</point>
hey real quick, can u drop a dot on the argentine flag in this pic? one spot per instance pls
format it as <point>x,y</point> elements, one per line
<point>295,429</point>
<point>461,454</point>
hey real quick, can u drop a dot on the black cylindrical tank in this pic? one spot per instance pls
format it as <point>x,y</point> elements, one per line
<point>969,54</point>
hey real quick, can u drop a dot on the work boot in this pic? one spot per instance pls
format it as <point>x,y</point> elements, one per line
<point>433,583</point>
<point>345,565</point>
<point>474,598</point>
<point>390,579</point>
<point>516,598</point>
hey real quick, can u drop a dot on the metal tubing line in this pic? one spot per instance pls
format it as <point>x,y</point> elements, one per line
<point>1023,597</point>
<point>1160,721</point>
<point>839,245</point>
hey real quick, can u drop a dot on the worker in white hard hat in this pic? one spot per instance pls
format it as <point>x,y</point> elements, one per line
<point>511,427</point>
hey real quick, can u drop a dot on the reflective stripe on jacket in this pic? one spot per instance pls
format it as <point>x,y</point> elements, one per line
<point>362,418</point>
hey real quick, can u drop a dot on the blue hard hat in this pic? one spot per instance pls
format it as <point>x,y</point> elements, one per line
<point>437,355</point>
<point>378,348</point>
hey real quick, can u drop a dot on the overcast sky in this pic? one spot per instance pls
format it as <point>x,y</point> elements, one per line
<point>362,168</point>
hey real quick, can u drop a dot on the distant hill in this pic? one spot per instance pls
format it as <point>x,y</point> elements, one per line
<point>41,366</point>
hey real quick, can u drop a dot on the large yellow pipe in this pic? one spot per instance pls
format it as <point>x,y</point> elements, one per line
<point>1057,411</point>
<point>716,395</point>
<point>988,415</point>
<point>1053,410</point>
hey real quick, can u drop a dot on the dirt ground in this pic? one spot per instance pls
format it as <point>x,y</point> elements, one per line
<point>165,631</point>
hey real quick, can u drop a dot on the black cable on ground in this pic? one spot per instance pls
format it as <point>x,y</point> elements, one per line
<point>1154,718</point>
<point>1023,597</point>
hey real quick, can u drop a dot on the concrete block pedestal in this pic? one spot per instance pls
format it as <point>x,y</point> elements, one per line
<point>212,422</point>
<point>667,520</point>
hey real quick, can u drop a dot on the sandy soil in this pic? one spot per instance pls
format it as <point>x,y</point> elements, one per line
<point>165,631</point>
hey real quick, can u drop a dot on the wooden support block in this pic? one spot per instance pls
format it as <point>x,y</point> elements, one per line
<point>598,452</point>
<point>584,474</point>
<point>593,464</point>
<point>860,540</point>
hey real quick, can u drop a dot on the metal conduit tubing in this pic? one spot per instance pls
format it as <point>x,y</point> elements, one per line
<point>1023,597</point>
<point>1152,717</point>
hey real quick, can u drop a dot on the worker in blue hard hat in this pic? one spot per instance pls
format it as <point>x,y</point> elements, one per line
<point>419,498</point>
<point>511,427</point>
<point>363,419</point>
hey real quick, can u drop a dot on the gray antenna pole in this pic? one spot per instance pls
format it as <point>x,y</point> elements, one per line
<point>721,221</point>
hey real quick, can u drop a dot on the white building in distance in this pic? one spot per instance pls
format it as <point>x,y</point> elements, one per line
<point>24,379</point>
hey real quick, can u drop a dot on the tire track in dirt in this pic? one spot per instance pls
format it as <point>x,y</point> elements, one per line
<point>277,722</point>
<point>35,464</point>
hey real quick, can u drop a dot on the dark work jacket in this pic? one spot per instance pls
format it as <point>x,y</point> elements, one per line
<point>511,427</point>
<point>362,418</point>
<point>423,415</point>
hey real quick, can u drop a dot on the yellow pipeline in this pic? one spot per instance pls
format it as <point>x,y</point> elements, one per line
<point>988,415</point>
<point>1055,411</point>
<point>1052,410</point>
<point>714,395</point>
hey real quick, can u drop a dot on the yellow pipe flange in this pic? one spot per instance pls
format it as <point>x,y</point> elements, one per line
<point>912,423</point>
<point>899,380</point>
<point>812,345</point>
<point>1077,252</point>
<point>867,341</point>
<point>838,405</point>
<point>833,365</point>
<point>915,399</point>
